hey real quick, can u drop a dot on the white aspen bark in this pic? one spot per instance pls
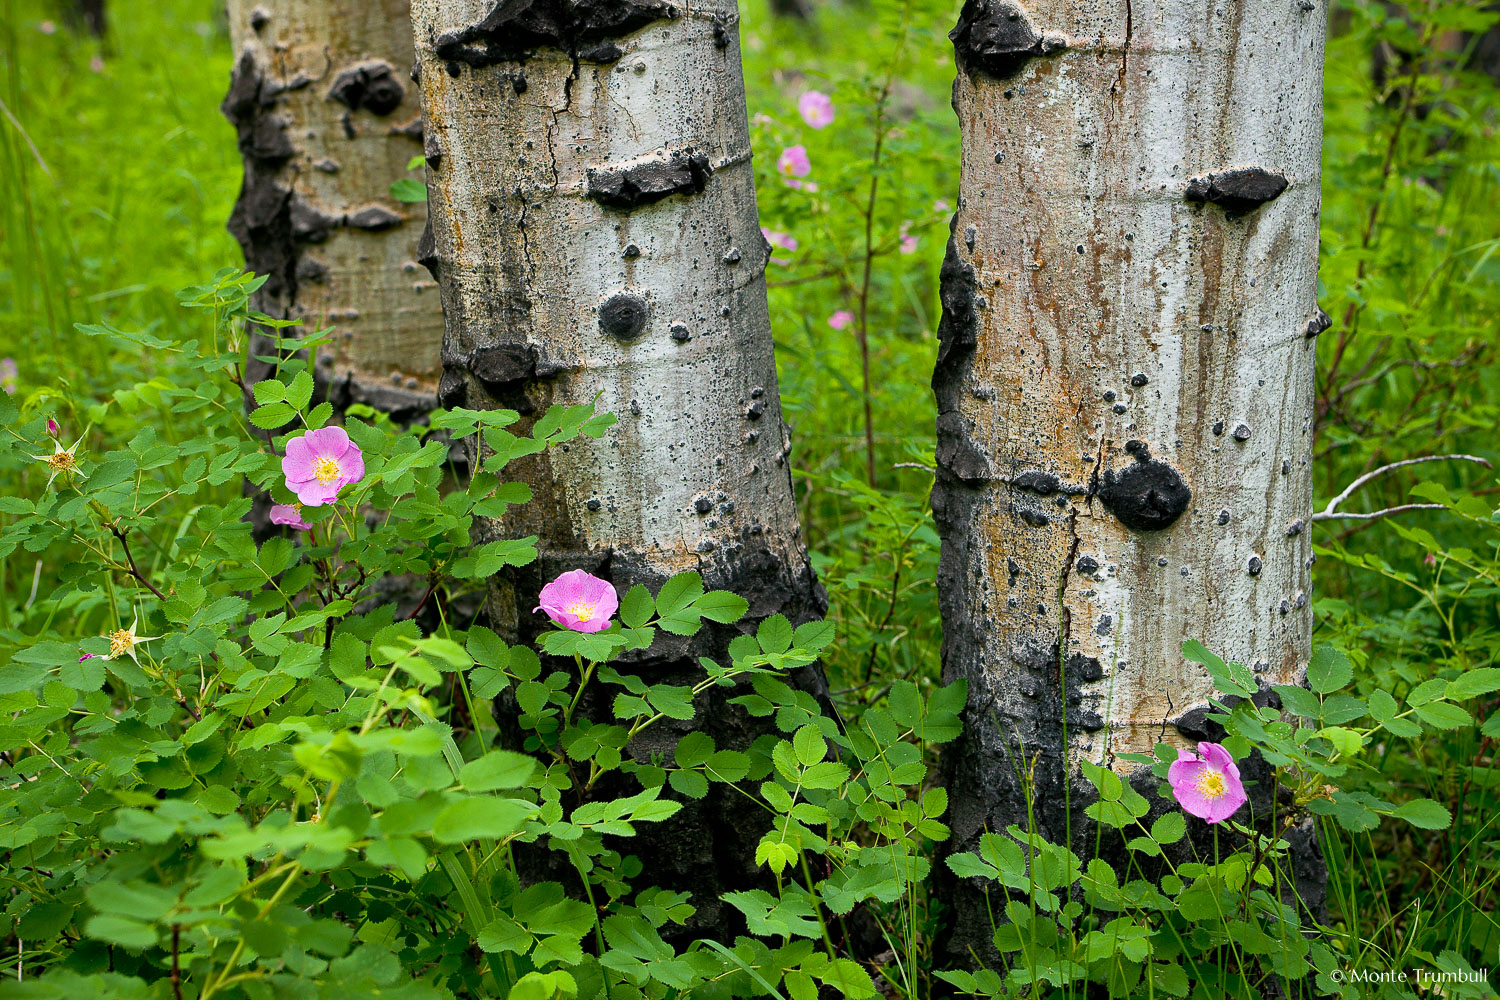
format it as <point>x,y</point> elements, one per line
<point>594,229</point>
<point>327,121</point>
<point>1125,384</point>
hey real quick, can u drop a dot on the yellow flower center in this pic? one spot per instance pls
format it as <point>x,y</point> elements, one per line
<point>326,470</point>
<point>1211,784</point>
<point>62,461</point>
<point>120,642</point>
<point>582,610</point>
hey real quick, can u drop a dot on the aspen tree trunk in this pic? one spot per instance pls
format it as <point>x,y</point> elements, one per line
<point>1125,387</point>
<point>327,121</point>
<point>594,229</point>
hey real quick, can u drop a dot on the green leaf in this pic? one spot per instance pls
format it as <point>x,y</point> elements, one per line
<point>1443,715</point>
<point>1425,814</point>
<point>122,931</point>
<point>809,746</point>
<point>498,769</point>
<point>775,634</point>
<point>693,749</point>
<point>690,783</point>
<point>1473,683</point>
<point>480,817</point>
<point>268,391</point>
<point>1228,678</point>
<point>678,592</point>
<point>722,606</point>
<point>636,607</point>
<point>555,985</point>
<point>409,191</point>
<point>272,416</point>
<point>1169,828</point>
<point>1329,670</point>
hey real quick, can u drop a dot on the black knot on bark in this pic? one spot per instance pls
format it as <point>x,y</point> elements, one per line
<point>680,172</point>
<point>514,29</point>
<point>623,315</point>
<point>1237,191</point>
<point>369,85</point>
<point>1149,495</point>
<point>997,38</point>
<point>1318,324</point>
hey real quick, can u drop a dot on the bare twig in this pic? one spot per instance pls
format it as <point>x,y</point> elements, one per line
<point>1332,513</point>
<point>135,570</point>
<point>1375,515</point>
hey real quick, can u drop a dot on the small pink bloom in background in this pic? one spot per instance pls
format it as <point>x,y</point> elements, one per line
<point>290,515</point>
<point>841,319</point>
<point>96,64</point>
<point>1207,783</point>
<point>781,241</point>
<point>816,109</point>
<point>320,463</point>
<point>1431,559</point>
<point>940,206</point>
<point>908,241</point>
<point>761,119</point>
<point>579,601</point>
<point>794,162</point>
<point>10,375</point>
<point>47,27</point>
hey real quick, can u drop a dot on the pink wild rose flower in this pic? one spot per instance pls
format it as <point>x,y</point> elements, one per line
<point>320,463</point>
<point>841,319</point>
<point>289,515</point>
<point>579,601</point>
<point>816,109</point>
<point>10,375</point>
<point>1207,783</point>
<point>794,162</point>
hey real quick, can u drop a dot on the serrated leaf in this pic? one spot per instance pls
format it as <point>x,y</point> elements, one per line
<point>1425,814</point>
<point>1473,683</point>
<point>498,769</point>
<point>721,606</point>
<point>480,817</point>
<point>1329,670</point>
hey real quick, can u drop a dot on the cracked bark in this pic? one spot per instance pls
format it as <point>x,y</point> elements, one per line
<point>1106,318</point>
<point>594,231</point>
<point>327,121</point>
